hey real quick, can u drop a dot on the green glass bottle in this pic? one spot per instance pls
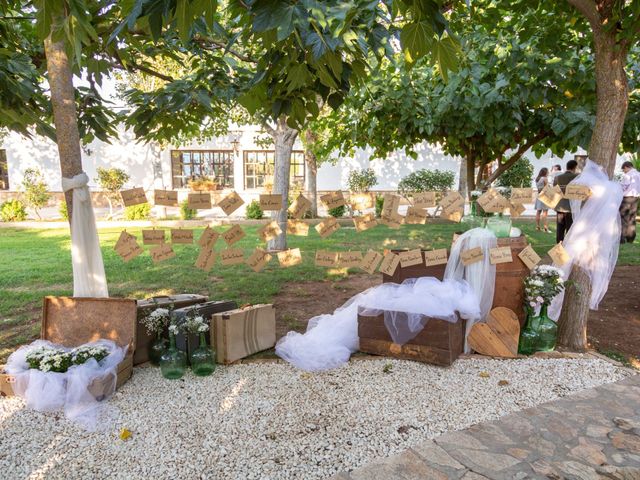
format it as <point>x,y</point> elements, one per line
<point>156,348</point>
<point>173,362</point>
<point>472,219</point>
<point>202,359</point>
<point>529,336</point>
<point>547,331</point>
<point>500,225</point>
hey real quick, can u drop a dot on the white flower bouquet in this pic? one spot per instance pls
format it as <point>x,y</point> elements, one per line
<point>542,285</point>
<point>195,324</point>
<point>81,354</point>
<point>157,320</point>
<point>49,359</point>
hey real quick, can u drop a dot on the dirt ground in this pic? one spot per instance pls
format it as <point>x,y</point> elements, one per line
<point>614,329</point>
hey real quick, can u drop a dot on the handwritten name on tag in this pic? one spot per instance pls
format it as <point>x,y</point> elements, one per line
<point>271,201</point>
<point>452,216</point>
<point>390,205</point>
<point>162,252</point>
<point>575,191</point>
<point>435,257</point>
<point>559,255</point>
<point>179,235</point>
<point>349,259</point>
<point>124,239</point>
<point>393,221</point>
<point>361,201</point>
<point>258,259</point>
<point>333,200</point>
<point>365,222</point>
<point>208,238</point>
<point>297,227</point>
<point>326,259</point>
<point>129,251</point>
<point>521,195</point>
<point>550,195</point>
<point>230,203</point>
<point>452,202</point>
<point>516,209</point>
<point>206,259</point>
<point>269,231</point>
<point>327,227</point>
<point>529,257</point>
<point>411,257</point>
<point>152,237</point>
<point>370,261</point>
<point>166,198</point>
<point>199,201</point>
<point>232,256</point>
<point>497,204</point>
<point>134,196</point>
<point>424,199</point>
<point>233,235</point>
<point>471,256</point>
<point>389,264</point>
<point>289,258</point>
<point>500,255</point>
<point>300,206</point>
<point>415,216</point>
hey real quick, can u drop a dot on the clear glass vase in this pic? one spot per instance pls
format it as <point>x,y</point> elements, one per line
<point>173,362</point>
<point>500,225</point>
<point>547,331</point>
<point>157,347</point>
<point>472,219</point>
<point>529,335</point>
<point>202,359</point>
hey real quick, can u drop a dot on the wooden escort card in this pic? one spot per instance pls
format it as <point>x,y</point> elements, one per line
<point>471,256</point>
<point>452,202</point>
<point>178,235</point>
<point>500,255</point>
<point>206,259</point>
<point>166,198</point>
<point>326,259</point>
<point>390,205</point>
<point>370,261</point>
<point>453,216</point>
<point>333,200</point>
<point>230,203</point>
<point>521,195</point>
<point>327,227</point>
<point>575,191</point>
<point>269,231</point>
<point>123,239</point>
<point>529,257</point>
<point>435,257</point>
<point>497,204</point>
<point>550,196</point>
<point>365,222</point>
<point>516,209</point>
<point>393,221</point>
<point>208,238</point>
<point>389,263</point>
<point>559,255</point>
<point>152,237</point>
<point>424,199</point>
<point>289,258</point>
<point>233,235</point>
<point>134,196</point>
<point>361,201</point>
<point>299,207</point>
<point>199,200</point>
<point>232,256</point>
<point>297,227</point>
<point>349,259</point>
<point>411,257</point>
<point>162,252</point>
<point>271,202</point>
<point>415,216</point>
<point>127,246</point>
<point>258,259</point>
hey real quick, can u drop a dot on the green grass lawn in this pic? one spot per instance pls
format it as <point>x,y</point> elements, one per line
<point>36,262</point>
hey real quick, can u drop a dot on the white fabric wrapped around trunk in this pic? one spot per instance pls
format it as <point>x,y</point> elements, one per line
<point>593,240</point>
<point>89,279</point>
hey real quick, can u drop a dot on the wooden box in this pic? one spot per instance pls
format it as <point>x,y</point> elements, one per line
<point>439,342</point>
<point>244,331</point>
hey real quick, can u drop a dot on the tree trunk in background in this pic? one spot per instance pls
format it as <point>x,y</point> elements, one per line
<point>65,119</point>
<point>283,139</point>
<point>462,183</point>
<point>311,183</point>
<point>470,164</point>
<point>572,324</point>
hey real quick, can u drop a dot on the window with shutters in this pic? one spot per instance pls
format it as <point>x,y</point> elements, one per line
<point>192,164</point>
<point>259,165</point>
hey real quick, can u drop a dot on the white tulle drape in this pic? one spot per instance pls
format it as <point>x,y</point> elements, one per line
<point>68,391</point>
<point>89,279</point>
<point>593,240</point>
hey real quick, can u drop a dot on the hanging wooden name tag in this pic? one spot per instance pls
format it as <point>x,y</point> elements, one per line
<point>232,256</point>
<point>134,196</point>
<point>370,261</point>
<point>415,216</point>
<point>575,191</point>
<point>516,209</point>
<point>271,202</point>
<point>393,221</point>
<point>166,198</point>
<point>435,257</point>
<point>497,204</point>
<point>206,259</point>
<point>559,255</point>
<point>452,202</point>
<point>162,252</point>
<point>124,239</point>
<point>258,259</point>
<point>179,235</point>
<point>390,205</point>
<point>529,257</point>
<point>411,257</point>
<point>521,195</point>
<point>327,227</point>
<point>127,247</point>
<point>326,259</point>
<point>299,207</point>
<point>471,256</point>
<point>349,259</point>
<point>424,199</point>
<point>208,238</point>
<point>233,235</point>
<point>152,237</point>
<point>230,203</point>
<point>361,201</point>
<point>500,255</point>
<point>270,231</point>
<point>289,258</point>
<point>452,215</point>
<point>297,227</point>
<point>199,200</point>
<point>389,264</point>
<point>333,200</point>
<point>550,196</point>
<point>365,222</point>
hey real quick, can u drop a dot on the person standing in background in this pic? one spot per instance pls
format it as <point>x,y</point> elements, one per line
<point>564,219</point>
<point>541,209</point>
<point>555,170</point>
<point>629,207</point>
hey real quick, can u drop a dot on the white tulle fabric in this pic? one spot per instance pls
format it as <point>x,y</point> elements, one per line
<point>89,279</point>
<point>68,391</point>
<point>593,240</point>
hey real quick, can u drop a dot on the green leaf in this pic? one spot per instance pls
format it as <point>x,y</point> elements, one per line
<point>183,19</point>
<point>416,39</point>
<point>445,53</point>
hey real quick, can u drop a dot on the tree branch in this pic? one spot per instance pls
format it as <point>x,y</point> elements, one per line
<point>205,42</point>
<point>140,68</point>
<point>515,157</point>
<point>589,10</point>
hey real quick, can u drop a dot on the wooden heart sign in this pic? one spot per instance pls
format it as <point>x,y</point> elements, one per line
<point>498,336</point>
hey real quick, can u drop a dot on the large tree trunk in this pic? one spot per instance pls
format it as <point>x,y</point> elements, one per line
<point>283,139</point>
<point>311,181</point>
<point>462,183</point>
<point>65,119</point>
<point>572,324</point>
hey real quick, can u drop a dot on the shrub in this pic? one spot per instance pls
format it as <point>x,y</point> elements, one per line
<point>518,176</point>
<point>254,211</point>
<point>361,181</point>
<point>338,211</point>
<point>13,211</point>
<point>111,180</point>
<point>36,191</point>
<point>62,210</point>
<point>141,211</point>
<point>427,181</point>
<point>187,213</point>
<point>379,205</point>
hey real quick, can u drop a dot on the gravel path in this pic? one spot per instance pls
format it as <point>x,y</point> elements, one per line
<point>270,421</point>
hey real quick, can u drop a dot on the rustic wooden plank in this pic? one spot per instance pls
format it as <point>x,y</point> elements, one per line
<point>436,333</point>
<point>420,353</point>
<point>498,337</point>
